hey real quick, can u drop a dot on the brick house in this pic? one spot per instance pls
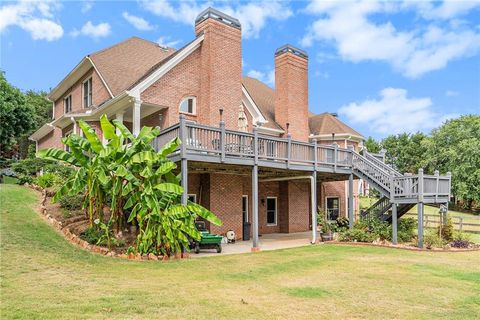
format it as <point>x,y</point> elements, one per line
<point>250,153</point>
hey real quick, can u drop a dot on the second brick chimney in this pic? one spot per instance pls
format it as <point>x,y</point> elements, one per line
<point>291,91</point>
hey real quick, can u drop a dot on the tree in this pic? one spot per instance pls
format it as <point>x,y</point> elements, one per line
<point>405,152</point>
<point>372,145</point>
<point>16,116</point>
<point>455,147</point>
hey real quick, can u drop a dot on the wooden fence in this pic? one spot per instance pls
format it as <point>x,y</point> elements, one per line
<point>466,224</point>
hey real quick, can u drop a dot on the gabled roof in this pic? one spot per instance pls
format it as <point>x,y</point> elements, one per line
<point>326,123</point>
<point>123,64</point>
<point>264,98</point>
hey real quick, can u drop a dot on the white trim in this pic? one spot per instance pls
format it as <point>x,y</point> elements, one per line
<point>270,131</point>
<point>100,76</point>
<point>41,132</point>
<point>276,211</point>
<point>257,116</point>
<point>83,93</point>
<point>194,105</point>
<point>338,136</point>
<point>163,69</point>
<point>65,99</point>
<point>52,96</point>
<point>245,196</point>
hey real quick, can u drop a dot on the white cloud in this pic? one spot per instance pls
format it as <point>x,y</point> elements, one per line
<point>87,5</point>
<point>34,17</point>
<point>253,16</point>
<point>394,112</point>
<point>356,37</point>
<point>266,77</point>
<point>100,30</point>
<point>138,22</point>
<point>451,93</point>
<point>441,10</point>
<point>167,42</point>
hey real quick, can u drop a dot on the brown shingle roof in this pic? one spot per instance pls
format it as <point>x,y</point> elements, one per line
<point>124,63</point>
<point>326,123</point>
<point>264,98</point>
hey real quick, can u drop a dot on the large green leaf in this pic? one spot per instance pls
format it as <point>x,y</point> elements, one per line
<point>108,130</point>
<point>169,147</point>
<point>91,136</point>
<point>144,156</point>
<point>57,154</point>
<point>123,130</point>
<point>169,187</point>
<point>204,213</point>
<point>165,167</point>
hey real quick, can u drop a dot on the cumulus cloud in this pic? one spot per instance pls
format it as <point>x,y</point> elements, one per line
<point>349,26</point>
<point>138,22</point>
<point>394,112</point>
<point>167,41</point>
<point>89,29</point>
<point>37,18</point>
<point>266,77</point>
<point>253,16</point>
<point>87,5</point>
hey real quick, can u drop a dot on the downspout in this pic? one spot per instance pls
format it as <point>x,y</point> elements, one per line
<point>312,200</point>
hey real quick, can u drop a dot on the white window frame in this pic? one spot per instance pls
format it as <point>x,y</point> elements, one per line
<point>65,147</point>
<point>245,196</point>
<point>326,205</point>
<point>67,98</point>
<point>91,93</point>
<point>276,211</point>
<point>194,105</point>
<point>194,195</point>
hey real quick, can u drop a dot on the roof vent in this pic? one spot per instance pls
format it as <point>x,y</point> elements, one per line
<point>219,16</point>
<point>289,48</point>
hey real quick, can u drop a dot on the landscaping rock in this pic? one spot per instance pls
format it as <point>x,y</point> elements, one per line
<point>151,256</point>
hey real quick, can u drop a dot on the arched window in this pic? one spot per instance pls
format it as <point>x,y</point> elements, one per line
<point>188,105</point>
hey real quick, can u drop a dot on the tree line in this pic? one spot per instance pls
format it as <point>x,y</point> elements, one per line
<point>454,146</point>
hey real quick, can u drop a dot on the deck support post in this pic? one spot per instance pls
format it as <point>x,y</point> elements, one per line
<point>350,201</point>
<point>255,244</point>
<point>183,156</point>
<point>314,206</point>
<point>394,223</point>
<point>136,116</point>
<point>420,208</point>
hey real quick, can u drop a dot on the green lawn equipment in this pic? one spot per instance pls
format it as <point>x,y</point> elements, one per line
<point>208,240</point>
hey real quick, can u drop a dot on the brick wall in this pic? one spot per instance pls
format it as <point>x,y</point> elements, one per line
<point>291,94</point>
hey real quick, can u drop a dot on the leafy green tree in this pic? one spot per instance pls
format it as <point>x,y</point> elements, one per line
<point>405,152</point>
<point>372,145</point>
<point>16,116</point>
<point>455,147</point>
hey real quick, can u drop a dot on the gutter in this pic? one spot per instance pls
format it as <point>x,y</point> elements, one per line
<point>312,199</point>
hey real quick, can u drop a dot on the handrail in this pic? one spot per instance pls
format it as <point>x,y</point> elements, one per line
<point>381,164</point>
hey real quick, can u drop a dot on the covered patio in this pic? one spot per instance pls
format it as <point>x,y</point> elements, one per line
<point>268,242</point>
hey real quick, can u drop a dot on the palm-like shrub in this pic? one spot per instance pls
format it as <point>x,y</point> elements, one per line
<point>137,179</point>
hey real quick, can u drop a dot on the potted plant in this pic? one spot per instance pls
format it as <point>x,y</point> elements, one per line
<point>326,230</point>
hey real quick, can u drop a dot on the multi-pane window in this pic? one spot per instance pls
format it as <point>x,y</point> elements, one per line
<point>192,198</point>
<point>271,211</point>
<point>333,208</point>
<point>67,104</point>
<point>188,105</point>
<point>87,93</point>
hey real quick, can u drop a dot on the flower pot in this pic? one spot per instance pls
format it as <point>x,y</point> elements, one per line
<point>326,236</point>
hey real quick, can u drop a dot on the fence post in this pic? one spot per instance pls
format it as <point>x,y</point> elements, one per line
<point>315,155</point>
<point>437,177</point>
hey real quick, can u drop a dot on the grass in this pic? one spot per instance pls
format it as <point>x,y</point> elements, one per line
<point>44,277</point>
<point>9,180</point>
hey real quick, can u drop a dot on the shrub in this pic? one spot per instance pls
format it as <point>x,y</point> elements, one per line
<point>46,180</point>
<point>433,240</point>
<point>357,235</point>
<point>342,224</point>
<point>91,235</point>
<point>460,240</point>
<point>406,229</point>
<point>446,230</point>
<point>71,202</point>
<point>27,169</point>
<point>380,229</point>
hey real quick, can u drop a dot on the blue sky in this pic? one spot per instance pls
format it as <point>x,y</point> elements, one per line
<point>385,67</point>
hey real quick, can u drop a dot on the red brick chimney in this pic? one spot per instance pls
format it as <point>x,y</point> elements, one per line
<point>291,91</point>
<point>221,66</point>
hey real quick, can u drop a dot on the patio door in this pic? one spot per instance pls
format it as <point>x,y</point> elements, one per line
<point>333,208</point>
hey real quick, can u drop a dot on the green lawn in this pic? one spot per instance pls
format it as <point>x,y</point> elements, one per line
<point>44,277</point>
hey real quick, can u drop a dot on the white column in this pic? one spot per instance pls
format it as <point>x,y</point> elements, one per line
<point>136,116</point>
<point>119,117</point>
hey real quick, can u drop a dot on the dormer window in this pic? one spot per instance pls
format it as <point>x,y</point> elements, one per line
<point>188,105</point>
<point>67,104</point>
<point>87,93</point>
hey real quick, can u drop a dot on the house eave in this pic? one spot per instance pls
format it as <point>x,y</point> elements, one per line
<point>80,69</point>
<point>41,132</point>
